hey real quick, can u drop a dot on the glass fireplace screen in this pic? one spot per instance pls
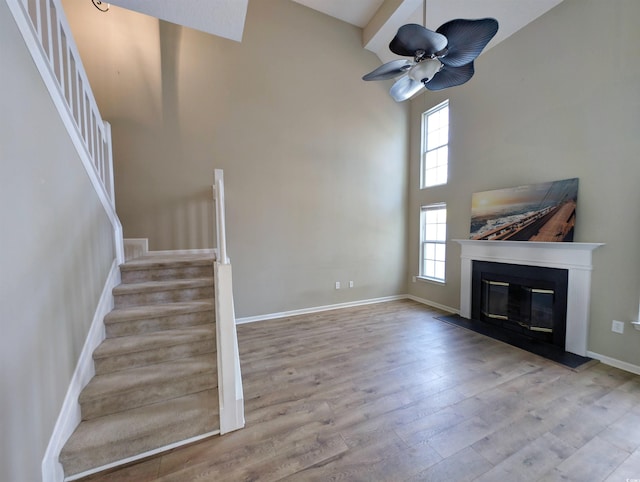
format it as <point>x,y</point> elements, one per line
<point>531,308</point>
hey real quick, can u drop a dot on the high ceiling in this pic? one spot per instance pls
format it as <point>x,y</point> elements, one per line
<point>379,19</point>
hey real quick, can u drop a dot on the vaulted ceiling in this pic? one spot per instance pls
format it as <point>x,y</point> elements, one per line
<point>379,19</point>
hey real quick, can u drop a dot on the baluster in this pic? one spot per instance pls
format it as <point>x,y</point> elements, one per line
<point>94,145</point>
<point>109,161</point>
<point>99,152</point>
<point>90,137</point>
<point>49,46</point>
<point>57,40</point>
<point>38,22</point>
<point>78,87</point>
<point>48,34</point>
<point>32,9</point>
<point>66,69</point>
<point>85,108</point>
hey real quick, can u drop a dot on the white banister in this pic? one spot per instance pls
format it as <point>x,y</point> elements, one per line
<point>48,37</point>
<point>107,160</point>
<point>221,235</point>
<point>231,397</point>
<point>47,32</point>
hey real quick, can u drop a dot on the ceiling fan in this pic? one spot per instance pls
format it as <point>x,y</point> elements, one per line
<point>441,59</point>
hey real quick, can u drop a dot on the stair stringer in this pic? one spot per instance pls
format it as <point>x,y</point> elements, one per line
<point>70,416</point>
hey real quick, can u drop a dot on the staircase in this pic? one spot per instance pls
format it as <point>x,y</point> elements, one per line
<point>156,375</point>
<point>168,372</point>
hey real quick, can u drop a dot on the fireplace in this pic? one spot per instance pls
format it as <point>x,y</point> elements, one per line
<point>530,300</point>
<point>575,258</point>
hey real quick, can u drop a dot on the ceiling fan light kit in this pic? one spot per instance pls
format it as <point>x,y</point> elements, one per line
<point>425,70</point>
<point>441,59</point>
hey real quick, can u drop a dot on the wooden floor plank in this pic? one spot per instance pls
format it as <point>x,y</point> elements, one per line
<point>389,392</point>
<point>595,460</point>
<point>465,467</point>
<point>533,461</point>
<point>629,470</point>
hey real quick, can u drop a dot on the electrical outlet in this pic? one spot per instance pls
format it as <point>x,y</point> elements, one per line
<point>350,284</point>
<point>413,279</point>
<point>617,326</point>
<point>337,285</point>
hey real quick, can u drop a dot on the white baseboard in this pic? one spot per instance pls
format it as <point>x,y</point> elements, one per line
<point>69,416</point>
<point>317,309</point>
<point>433,304</point>
<point>615,362</point>
<point>206,251</point>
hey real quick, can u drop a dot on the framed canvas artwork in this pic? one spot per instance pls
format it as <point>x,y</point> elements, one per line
<point>535,212</point>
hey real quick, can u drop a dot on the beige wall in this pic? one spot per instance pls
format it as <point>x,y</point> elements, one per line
<point>56,250</point>
<point>559,99</point>
<point>314,158</point>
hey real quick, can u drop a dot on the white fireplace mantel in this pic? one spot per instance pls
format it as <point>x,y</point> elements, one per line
<point>574,257</point>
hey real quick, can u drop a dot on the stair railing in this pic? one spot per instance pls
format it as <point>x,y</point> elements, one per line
<point>229,375</point>
<point>46,32</point>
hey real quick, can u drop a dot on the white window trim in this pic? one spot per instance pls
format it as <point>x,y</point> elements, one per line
<point>423,144</point>
<point>421,276</point>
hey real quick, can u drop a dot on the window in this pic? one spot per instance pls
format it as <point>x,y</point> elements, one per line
<point>435,146</point>
<point>433,236</point>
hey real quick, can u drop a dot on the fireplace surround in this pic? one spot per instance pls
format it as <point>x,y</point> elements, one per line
<point>575,258</point>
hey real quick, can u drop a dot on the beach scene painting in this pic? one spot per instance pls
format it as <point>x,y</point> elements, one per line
<point>535,212</point>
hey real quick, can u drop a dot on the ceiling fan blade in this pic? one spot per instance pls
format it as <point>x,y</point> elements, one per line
<point>466,39</point>
<point>451,76</point>
<point>413,37</point>
<point>389,70</point>
<point>405,88</point>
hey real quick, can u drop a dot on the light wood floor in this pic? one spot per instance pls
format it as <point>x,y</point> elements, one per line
<point>387,392</point>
